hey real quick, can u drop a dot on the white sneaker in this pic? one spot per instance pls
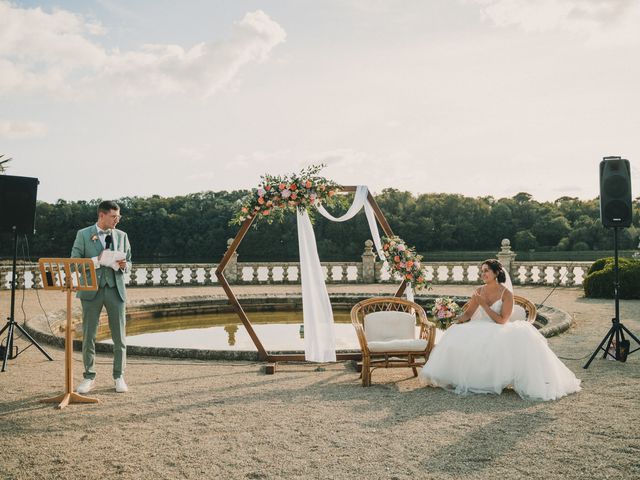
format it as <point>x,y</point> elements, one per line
<point>121,385</point>
<point>86,385</point>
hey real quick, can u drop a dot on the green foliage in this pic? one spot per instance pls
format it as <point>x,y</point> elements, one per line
<point>4,164</point>
<point>599,281</point>
<point>196,226</point>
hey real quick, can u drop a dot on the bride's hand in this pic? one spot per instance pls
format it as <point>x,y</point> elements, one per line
<point>479,298</point>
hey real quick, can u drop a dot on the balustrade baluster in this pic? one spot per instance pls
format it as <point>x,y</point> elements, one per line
<point>20,279</point>
<point>528,274</point>
<point>164,275</point>
<point>556,275</point>
<point>270,274</point>
<point>207,276</point>
<point>133,278</point>
<point>345,274</point>
<point>449,273</point>
<point>35,278</point>
<point>194,275</point>
<point>285,274</point>
<point>436,274</point>
<point>179,276</point>
<point>3,279</point>
<point>149,281</point>
<point>254,279</point>
<point>465,274</point>
<point>329,274</point>
<point>570,277</point>
<point>542,274</point>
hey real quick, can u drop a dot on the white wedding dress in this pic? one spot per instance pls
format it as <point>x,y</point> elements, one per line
<point>482,356</point>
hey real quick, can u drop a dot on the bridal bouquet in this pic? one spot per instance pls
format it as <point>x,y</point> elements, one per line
<point>445,310</point>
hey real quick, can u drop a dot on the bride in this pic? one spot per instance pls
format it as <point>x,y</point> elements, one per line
<point>490,353</point>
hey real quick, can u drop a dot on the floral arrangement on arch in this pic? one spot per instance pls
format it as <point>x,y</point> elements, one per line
<point>445,310</point>
<point>279,194</point>
<point>404,261</point>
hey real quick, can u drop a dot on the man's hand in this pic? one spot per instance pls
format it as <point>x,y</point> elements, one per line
<point>122,264</point>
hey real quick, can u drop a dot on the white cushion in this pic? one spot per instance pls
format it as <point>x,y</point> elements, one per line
<point>519,313</point>
<point>385,326</point>
<point>398,346</point>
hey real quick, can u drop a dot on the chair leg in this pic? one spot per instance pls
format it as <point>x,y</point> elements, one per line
<point>412,362</point>
<point>366,372</point>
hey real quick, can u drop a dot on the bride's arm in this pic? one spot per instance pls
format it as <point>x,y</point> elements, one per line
<point>507,308</point>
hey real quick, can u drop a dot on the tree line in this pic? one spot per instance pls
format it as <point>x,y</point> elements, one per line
<point>196,226</point>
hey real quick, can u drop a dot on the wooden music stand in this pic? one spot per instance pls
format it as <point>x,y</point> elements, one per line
<point>68,275</point>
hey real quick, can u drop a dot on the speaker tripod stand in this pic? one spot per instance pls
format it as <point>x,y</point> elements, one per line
<point>617,330</point>
<point>12,324</point>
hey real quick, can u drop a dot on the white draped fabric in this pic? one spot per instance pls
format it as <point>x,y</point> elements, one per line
<point>319,338</point>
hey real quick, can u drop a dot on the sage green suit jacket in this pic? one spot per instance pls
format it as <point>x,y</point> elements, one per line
<point>87,245</point>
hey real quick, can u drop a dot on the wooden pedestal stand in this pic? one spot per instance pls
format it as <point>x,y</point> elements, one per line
<point>68,275</point>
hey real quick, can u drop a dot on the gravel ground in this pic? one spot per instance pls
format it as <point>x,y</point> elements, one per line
<point>186,419</point>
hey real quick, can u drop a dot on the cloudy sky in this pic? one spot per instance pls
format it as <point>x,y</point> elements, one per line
<point>113,98</point>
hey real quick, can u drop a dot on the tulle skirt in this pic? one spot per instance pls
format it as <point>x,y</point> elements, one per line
<point>486,357</point>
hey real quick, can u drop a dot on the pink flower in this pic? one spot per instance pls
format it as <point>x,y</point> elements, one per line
<point>94,238</point>
<point>401,248</point>
<point>286,193</point>
<point>261,192</point>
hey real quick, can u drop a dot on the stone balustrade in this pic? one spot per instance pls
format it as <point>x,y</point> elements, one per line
<point>368,270</point>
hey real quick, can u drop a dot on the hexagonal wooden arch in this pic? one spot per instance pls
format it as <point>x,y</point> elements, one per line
<point>262,353</point>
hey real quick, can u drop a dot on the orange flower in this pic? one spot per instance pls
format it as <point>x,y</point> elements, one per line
<point>409,276</point>
<point>245,209</point>
<point>396,259</point>
<point>385,246</point>
<point>331,192</point>
<point>267,187</point>
<point>293,196</point>
<point>409,264</point>
<point>282,186</point>
<point>322,187</point>
<point>269,203</point>
<point>293,186</point>
<point>308,184</point>
<point>266,212</point>
<point>260,200</point>
<point>420,279</point>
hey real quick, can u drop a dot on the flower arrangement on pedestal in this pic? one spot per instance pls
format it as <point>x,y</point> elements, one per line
<point>278,194</point>
<point>404,261</point>
<point>445,310</point>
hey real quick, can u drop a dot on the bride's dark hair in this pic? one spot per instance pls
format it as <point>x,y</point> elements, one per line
<point>496,267</point>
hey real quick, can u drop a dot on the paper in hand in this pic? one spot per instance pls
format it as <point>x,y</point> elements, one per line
<point>110,258</point>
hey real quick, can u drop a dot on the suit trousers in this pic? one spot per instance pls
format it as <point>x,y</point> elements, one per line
<point>110,298</point>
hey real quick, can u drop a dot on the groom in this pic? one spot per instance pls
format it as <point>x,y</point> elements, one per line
<point>90,243</point>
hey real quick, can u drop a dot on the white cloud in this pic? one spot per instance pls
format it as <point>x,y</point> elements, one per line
<point>14,129</point>
<point>604,21</point>
<point>56,52</point>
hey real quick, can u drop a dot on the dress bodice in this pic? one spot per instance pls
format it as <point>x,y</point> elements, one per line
<point>481,316</point>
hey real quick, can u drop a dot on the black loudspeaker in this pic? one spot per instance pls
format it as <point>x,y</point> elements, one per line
<point>615,192</point>
<point>18,204</point>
